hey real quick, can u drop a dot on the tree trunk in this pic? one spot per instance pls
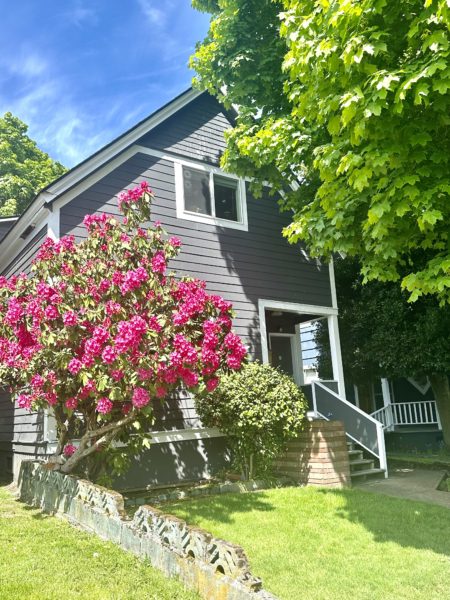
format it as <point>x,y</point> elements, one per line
<point>441,389</point>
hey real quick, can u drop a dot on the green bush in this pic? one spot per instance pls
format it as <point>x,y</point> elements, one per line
<point>259,409</point>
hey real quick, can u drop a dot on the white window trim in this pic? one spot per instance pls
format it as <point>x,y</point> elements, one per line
<point>242,224</point>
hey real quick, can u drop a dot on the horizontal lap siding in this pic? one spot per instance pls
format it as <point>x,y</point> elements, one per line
<point>5,226</point>
<point>6,430</point>
<point>22,262</point>
<point>196,131</point>
<point>241,266</point>
<point>26,428</point>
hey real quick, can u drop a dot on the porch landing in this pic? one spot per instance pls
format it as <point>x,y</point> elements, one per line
<point>412,484</point>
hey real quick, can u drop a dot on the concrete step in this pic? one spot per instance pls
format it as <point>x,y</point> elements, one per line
<point>364,464</point>
<point>366,474</point>
<point>355,455</point>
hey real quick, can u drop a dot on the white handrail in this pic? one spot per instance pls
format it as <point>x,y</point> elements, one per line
<point>344,401</point>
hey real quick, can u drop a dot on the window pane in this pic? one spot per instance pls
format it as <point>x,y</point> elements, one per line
<point>197,197</point>
<point>225,198</point>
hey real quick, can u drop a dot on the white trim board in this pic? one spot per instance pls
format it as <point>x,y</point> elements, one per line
<point>169,437</point>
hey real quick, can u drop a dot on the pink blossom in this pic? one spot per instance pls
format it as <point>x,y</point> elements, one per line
<point>109,355</point>
<point>93,347</point>
<point>189,378</point>
<point>14,312</point>
<point>140,397</point>
<point>51,312</point>
<point>145,374</point>
<point>104,405</point>
<point>161,392</point>
<point>101,334</point>
<point>175,242</point>
<point>212,383</point>
<point>74,366</point>
<point>117,374</point>
<point>70,318</point>
<point>69,449</point>
<point>24,401</point>
<point>159,263</point>
<point>71,403</point>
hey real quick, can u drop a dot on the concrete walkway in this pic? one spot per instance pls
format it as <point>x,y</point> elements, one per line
<point>414,484</point>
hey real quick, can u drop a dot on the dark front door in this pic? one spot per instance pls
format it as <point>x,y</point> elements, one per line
<point>281,353</point>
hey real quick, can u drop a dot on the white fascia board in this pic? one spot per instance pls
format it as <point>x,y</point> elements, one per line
<point>7,219</point>
<point>86,168</point>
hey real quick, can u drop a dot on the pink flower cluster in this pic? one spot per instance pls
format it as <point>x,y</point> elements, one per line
<point>159,264</point>
<point>236,350</point>
<point>132,196</point>
<point>140,397</point>
<point>130,334</point>
<point>104,405</point>
<point>133,280</point>
<point>69,450</point>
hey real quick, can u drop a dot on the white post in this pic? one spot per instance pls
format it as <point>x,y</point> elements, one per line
<point>387,402</point>
<point>298,359</point>
<point>438,418</point>
<point>313,389</point>
<point>336,358</point>
<point>382,449</point>
<point>356,392</point>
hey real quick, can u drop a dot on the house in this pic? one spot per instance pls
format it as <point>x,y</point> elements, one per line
<point>230,239</point>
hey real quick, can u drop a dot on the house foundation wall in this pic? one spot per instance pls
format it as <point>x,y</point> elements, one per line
<point>318,456</point>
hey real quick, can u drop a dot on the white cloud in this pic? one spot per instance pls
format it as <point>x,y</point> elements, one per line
<point>154,15</point>
<point>79,15</point>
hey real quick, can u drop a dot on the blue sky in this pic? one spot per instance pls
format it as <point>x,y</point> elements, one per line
<point>80,72</point>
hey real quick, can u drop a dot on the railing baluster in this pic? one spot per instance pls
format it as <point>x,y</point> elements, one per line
<point>415,414</point>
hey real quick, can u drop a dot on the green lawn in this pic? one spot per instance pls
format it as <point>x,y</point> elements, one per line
<point>312,544</point>
<point>45,558</point>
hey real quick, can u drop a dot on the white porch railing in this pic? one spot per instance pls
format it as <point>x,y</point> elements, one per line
<point>408,413</point>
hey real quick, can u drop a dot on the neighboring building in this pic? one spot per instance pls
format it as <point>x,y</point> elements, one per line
<point>407,408</point>
<point>230,239</point>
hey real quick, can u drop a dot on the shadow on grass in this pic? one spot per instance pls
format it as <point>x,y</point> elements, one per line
<point>221,508</point>
<point>404,522</point>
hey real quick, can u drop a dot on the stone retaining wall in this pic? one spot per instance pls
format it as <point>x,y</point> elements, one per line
<point>216,569</point>
<point>319,456</point>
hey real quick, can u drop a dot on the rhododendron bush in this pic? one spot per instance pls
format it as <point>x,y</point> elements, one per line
<point>102,331</point>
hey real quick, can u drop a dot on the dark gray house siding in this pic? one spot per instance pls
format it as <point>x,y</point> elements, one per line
<point>196,131</point>
<point>21,431</point>
<point>22,262</point>
<point>5,226</point>
<point>6,431</point>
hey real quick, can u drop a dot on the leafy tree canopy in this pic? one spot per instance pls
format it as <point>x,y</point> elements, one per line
<point>350,100</point>
<point>24,168</point>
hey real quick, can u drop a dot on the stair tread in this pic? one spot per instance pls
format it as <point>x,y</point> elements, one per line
<point>366,472</point>
<point>355,452</point>
<point>361,461</point>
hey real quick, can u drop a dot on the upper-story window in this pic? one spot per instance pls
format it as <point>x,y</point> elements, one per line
<point>208,195</point>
